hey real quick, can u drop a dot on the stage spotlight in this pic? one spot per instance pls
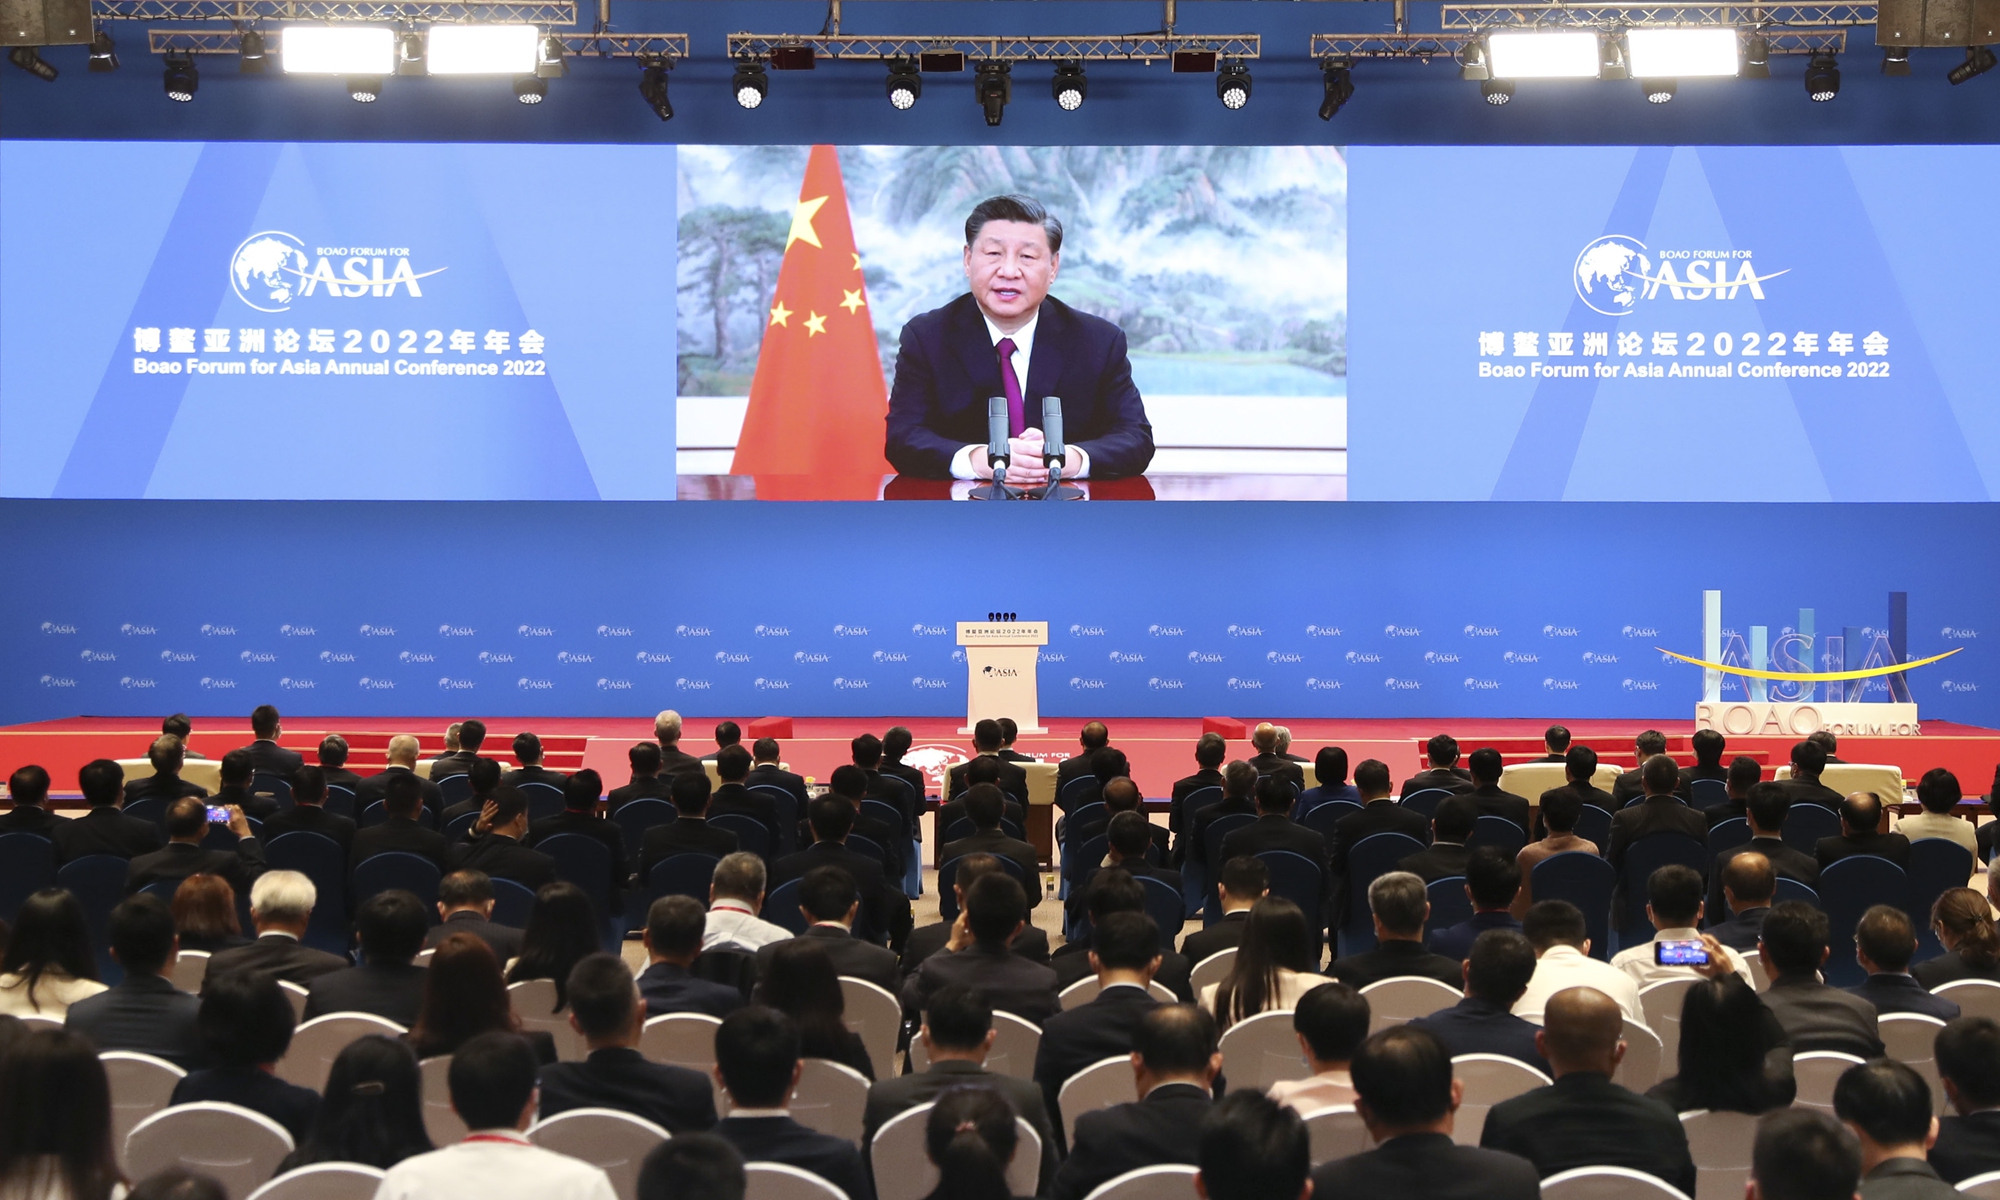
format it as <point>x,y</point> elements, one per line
<point>1472,64</point>
<point>1823,78</point>
<point>1658,91</point>
<point>653,87</point>
<point>1497,91</point>
<point>1232,84</point>
<point>750,83</point>
<point>1895,60</point>
<point>364,89</point>
<point>1978,61</point>
<point>994,88</point>
<point>181,78</point>
<point>103,54</point>
<point>30,59</point>
<point>1611,62</point>
<point>410,53</point>
<point>1756,57</point>
<point>252,54</point>
<point>905,84</point>
<point>1069,87</point>
<point>551,62</point>
<point>1336,86</point>
<point>530,89</point>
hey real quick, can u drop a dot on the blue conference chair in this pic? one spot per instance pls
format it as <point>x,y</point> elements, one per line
<point>1642,858</point>
<point>1080,865</point>
<point>1076,792</point>
<point>1848,888</point>
<point>948,878</point>
<point>781,908</point>
<point>1195,801</point>
<point>1321,818</point>
<point>1806,824</point>
<point>98,883</point>
<point>1490,830</point>
<point>1586,881</point>
<point>454,789</point>
<point>751,834</point>
<point>27,865</point>
<point>1294,877</point>
<point>320,859</point>
<point>785,811</point>
<point>1936,866</point>
<point>1164,905</point>
<point>868,846</point>
<point>512,902</point>
<point>635,817</point>
<point>275,786</point>
<point>1372,856</point>
<point>148,808</point>
<point>339,801</point>
<point>1426,801</point>
<point>454,829</point>
<point>1449,903</point>
<point>885,812</point>
<point>1708,793</point>
<point>1593,824</point>
<point>685,875</point>
<point>378,812</point>
<point>586,862</point>
<point>1727,835</point>
<point>411,872</point>
<point>164,890</point>
<point>1087,814</point>
<point>1218,829</point>
<point>1790,890</point>
<point>544,799</point>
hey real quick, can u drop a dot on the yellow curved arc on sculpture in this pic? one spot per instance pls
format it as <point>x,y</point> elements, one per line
<point>1809,676</point>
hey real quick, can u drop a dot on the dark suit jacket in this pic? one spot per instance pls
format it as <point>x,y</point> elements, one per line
<point>1950,967</point>
<point>590,826</point>
<point>269,758</point>
<point>1689,774</point>
<point>1456,780</point>
<point>1390,959</point>
<point>31,818</point>
<point>1903,994</point>
<point>1892,846</point>
<point>947,367</point>
<point>1281,766</point>
<point>951,812</point>
<point>1072,962</point>
<point>1789,864</point>
<point>667,988</point>
<point>674,760</point>
<point>1075,1039</point>
<point>1455,941</point>
<point>1966,1146</point>
<point>1585,1120</point>
<point>144,1013</point>
<point>503,858</point>
<point>457,762</point>
<point>783,1140</point>
<point>889,1098</point>
<point>1164,1127</point>
<point>851,956</point>
<point>1204,778</point>
<point>688,835</point>
<point>1377,816</point>
<point>1031,943</point>
<point>1279,832</point>
<point>401,835</point>
<point>998,844</point>
<point>505,939</point>
<point>1009,982</point>
<point>259,1091</point>
<point>1593,796</point>
<point>1742,931</point>
<point>537,774</point>
<point>1493,802</point>
<point>676,1099</point>
<point>1659,814</point>
<point>342,777</point>
<point>1816,1016</point>
<point>650,787</point>
<point>885,911</point>
<point>252,804</point>
<point>1430,1166</point>
<point>1197,837</point>
<point>1476,1026</point>
<point>376,787</point>
<point>1225,934</point>
<point>1628,787</point>
<point>278,956</point>
<point>772,775</point>
<point>1079,897</point>
<point>1811,791</point>
<point>105,830</point>
<point>393,991</point>
<point>310,818</point>
<point>167,787</point>
<point>1071,767</point>
<point>1439,860</point>
<point>1906,1179</point>
<point>177,860</point>
<point>736,798</point>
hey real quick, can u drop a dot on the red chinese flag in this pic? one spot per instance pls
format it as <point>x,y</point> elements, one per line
<point>818,405</point>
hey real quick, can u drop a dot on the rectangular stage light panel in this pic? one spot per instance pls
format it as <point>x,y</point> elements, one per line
<point>482,49</point>
<point>338,49</point>
<point>1681,53</point>
<point>1552,54</point>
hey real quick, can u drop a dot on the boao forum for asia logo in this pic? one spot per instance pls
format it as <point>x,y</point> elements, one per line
<point>1613,273</point>
<point>271,270</point>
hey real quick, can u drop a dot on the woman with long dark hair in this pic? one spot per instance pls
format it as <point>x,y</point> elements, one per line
<point>801,983</point>
<point>55,1121</point>
<point>465,997</point>
<point>970,1136</point>
<point>205,917</point>
<point>246,1025</point>
<point>371,1110</point>
<point>48,965</point>
<point>1964,925</point>
<point>1330,765</point>
<point>1273,965</point>
<point>1733,1055</point>
<point>562,930</point>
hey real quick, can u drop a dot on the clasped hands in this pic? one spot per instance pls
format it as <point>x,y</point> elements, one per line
<point>1025,459</point>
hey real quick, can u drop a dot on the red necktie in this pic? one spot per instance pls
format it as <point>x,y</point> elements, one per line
<point>1017,416</point>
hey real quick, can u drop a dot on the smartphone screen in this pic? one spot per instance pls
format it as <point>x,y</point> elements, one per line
<point>1680,952</point>
<point>218,815</point>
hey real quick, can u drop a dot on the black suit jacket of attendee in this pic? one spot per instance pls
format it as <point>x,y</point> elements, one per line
<point>1728,810</point>
<point>594,827</point>
<point>1892,846</point>
<point>1013,781</point>
<point>667,988</point>
<point>1032,943</point>
<point>895,844</point>
<point>277,955</point>
<point>736,799</point>
<point>1906,1179</point>
<point>1197,835</point>
<point>918,782</point>
<point>1430,1166</point>
<point>105,830</point>
<point>1076,1038</point>
<point>889,1098</point>
<point>1072,962</point>
<point>401,835</point>
<point>648,787</point>
<point>676,1099</point>
<point>310,818</point>
<point>1903,994</point>
<point>1455,941</point>
<point>947,367</point>
<point>1817,1016</point>
<point>144,1013</point>
<point>1950,967</point>
<point>1495,802</point>
<point>1456,780</point>
<point>376,787</point>
<point>688,835</point>
<point>177,860</point>
<point>1225,934</point>
<point>1439,860</point>
<point>1689,774</point>
<point>505,939</point>
<point>1076,833</point>
<point>1183,788</point>
<point>783,1140</point>
<point>1742,931</point>
<point>392,991</point>
<point>1007,981</point>
<point>1476,1026</point>
<point>342,777</point>
<point>773,775</point>
<point>851,956</point>
<point>262,807</point>
<point>885,911</point>
<point>1988,834</point>
<point>1276,831</point>
<point>1628,786</point>
<point>1967,1146</point>
<point>1078,904</point>
<point>999,845</point>
<point>269,758</point>
<point>1377,816</point>
<point>535,774</point>
<point>951,812</point>
<point>167,787</point>
<point>1658,814</point>
<point>1811,791</point>
<point>674,760</point>
<point>1595,797</point>
<point>1392,958</point>
<point>456,762</point>
<point>502,858</point>
<point>259,1091</point>
<point>1279,765</point>
<point>1585,1120</point>
<point>1787,862</point>
<point>1163,1127</point>
<point>31,818</point>
<point>1081,763</point>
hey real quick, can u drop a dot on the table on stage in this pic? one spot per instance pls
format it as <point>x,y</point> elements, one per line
<point>1154,486</point>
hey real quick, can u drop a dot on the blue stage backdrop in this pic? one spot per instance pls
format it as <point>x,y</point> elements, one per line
<point>1361,609</point>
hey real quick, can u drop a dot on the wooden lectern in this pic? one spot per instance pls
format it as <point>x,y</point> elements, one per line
<point>1000,661</point>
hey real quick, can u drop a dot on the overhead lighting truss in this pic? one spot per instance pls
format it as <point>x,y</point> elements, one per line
<point>1121,47</point>
<point>1448,46</point>
<point>559,13</point>
<point>673,46</point>
<point>1488,17</point>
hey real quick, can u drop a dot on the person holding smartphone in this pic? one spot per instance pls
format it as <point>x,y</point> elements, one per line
<point>1673,905</point>
<point>1734,1056</point>
<point>188,822</point>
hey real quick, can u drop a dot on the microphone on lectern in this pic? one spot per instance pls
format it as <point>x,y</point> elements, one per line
<point>996,436</point>
<point>1052,434</point>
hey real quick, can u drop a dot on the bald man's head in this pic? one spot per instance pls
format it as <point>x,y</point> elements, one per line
<point>1264,737</point>
<point>1862,811</point>
<point>1095,735</point>
<point>403,750</point>
<point>1581,1032</point>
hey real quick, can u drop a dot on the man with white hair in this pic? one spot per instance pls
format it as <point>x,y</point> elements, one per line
<point>1270,758</point>
<point>403,750</point>
<point>1285,745</point>
<point>735,897</point>
<point>667,732</point>
<point>281,904</point>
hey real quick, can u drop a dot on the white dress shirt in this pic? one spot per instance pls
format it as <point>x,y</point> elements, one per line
<point>1314,1092</point>
<point>1638,961</point>
<point>1564,967</point>
<point>732,922</point>
<point>494,1164</point>
<point>1024,349</point>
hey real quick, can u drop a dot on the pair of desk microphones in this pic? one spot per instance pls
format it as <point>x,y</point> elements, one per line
<point>998,455</point>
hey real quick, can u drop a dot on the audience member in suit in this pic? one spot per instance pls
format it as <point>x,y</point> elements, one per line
<point>1561,938</point>
<point>1742,774</point>
<point>491,1080</point>
<point>799,980</point>
<point>1673,908</point>
<point>1244,882</point>
<point>1579,768</point>
<point>1963,922</point>
<point>690,834</point>
<point>403,751</point>
<point>732,797</point>
<point>1631,785</point>
<point>983,769</point>
<point>1446,856</point>
<point>896,742</point>
<point>1816,1016</point>
<point>528,752</point>
<point>1860,833</point>
<point>604,1008</point>
<point>1748,885</point>
<point>579,817</point>
<point>884,909</point>
<point>765,772</point>
<point>246,1025</point>
<point>1496,974</point>
<point>735,897</point>
<point>1175,1061</point>
<point>179,726</point>
<point>144,1012</point>
<point>1115,890</point>
<point>1253,1148</point>
<point>1486,792</point>
<point>978,956</point>
<point>28,788</point>
<point>1764,811</point>
<point>401,830</point>
<point>493,844</point>
<point>1442,771</point>
<point>1012,777</point>
<point>647,783</point>
<point>1584,1119</point>
<point>1379,814</point>
<point>1399,905</point>
<point>829,903</point>
<point>727,734</point>
<point>673,938</point>
<point>850,783</point>
<point>1660,812</point>
<point>465,905</point>
<point>1209,752</point>
<point>1561,810</point>
<point>1803,1152</point>
<point>236,777</point>
<point>957,1034</point>
<point>1884,943</point>
<point>1330,1020</point>
<point>1407,1098</point>
<point>1887,1105</point>
<point>983,805</point>
<point>1010,732</point>
<point>167,756</point>
<point>1940,795</point>
<point>1125,953</point>
<point>1031,943</point>
<point>1330,769</point>
<point>333,764</point>
<point>458,760</point>
<point>1095,736</point>
<point>483,774</point>
<point>1239,784</point>
<point>866,752</point>
<point>1127,841</point>
<point>667,732</point>
<point>308,813</point>
<point>1968,1063</point>
<point>1808,761</point>
<point>104,829</point>
<point>757,1061</point>
<point>1492,880</point>
<point>1118,794</point>
<point>1555,739</point>
<point>1733,1053</point>
<point>281,904</point>
<point>388,983</point>
<point>1274,829</point>
<point>1828,741</point>
<point>1708,746</point>
<point>1269,761</point>
<point>182,856</point>
<point>267,757</point>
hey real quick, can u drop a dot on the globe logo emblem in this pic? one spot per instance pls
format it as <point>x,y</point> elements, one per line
<point>266,269</point>
<point>1605,276</point>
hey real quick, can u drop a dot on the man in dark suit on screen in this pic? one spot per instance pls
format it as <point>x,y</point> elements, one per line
<point>1007,337</point>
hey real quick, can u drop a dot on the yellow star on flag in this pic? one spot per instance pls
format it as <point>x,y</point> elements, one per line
<point>781,314</point>
<point>850,300</point>
<point>857,262</point>
<point>802,227</point>
<point>815,324</point>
